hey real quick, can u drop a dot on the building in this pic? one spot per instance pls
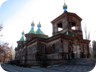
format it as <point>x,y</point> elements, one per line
<point>66,43</point>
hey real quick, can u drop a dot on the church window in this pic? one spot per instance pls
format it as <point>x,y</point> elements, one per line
<point>60,28</point>
<point>72,25</point>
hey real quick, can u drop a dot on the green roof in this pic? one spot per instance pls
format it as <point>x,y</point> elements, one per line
<point>39,30</point>
<point>32,31</point>
<point>32,28</point>
<point>22,38</point>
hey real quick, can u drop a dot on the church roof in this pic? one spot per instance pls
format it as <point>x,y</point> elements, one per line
<point>39,31</point>
<point>66,14</point>
<point>22,38</point>
<point>32,31</point>
<point>32,28</point>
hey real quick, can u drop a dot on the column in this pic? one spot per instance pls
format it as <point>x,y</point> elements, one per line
<point>55,29</point>
<point>65,24</point>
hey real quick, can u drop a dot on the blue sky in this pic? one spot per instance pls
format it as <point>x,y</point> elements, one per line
<point>8,10</point>
<point>11,7</point>
<point>17,16</point>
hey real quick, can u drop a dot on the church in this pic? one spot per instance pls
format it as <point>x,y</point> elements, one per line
<point>66,42</point>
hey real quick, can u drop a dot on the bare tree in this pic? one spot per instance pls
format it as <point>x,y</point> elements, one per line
<point>5,50</point>
<point>2,55</point>
<point>87,34</point>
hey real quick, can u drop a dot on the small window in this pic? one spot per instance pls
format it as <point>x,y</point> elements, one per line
<point>60,27</point>
<point>72,25</point>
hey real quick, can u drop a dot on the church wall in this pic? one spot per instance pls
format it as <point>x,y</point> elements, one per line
<point>23,55</point>
<point>31,54</point>
<point>66,49</point>
<point>75,49</point>
<point>86,50</point>
<point>54,51</point>
<point>49,53</point>
<point>27,54</point>
<point>41,54</point>
<point>65,46</point>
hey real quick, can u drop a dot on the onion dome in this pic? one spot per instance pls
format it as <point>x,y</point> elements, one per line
<point>65,7</point>
<point>39,29</point>
<point>22,38</point>
<point>32,28</point>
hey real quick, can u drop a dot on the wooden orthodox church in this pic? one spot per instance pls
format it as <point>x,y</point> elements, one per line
<point>66,43</point>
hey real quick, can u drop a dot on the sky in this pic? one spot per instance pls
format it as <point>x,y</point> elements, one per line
<point>16,16</point>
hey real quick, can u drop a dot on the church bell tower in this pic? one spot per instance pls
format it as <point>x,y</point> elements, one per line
<point>67,21</point>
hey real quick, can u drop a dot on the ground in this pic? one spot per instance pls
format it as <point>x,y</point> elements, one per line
<point>79,66</point>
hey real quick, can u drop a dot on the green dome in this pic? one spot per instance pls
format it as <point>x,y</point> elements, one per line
<point>32,31</point>
<point>39,30</point>
<point>32,28</point>
<point>22,38</point>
